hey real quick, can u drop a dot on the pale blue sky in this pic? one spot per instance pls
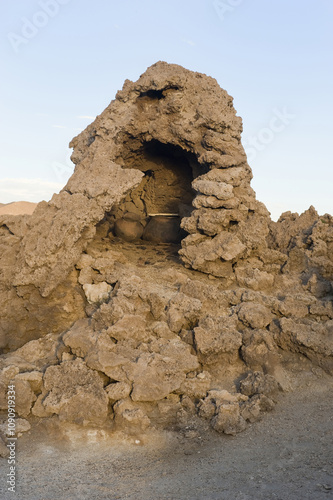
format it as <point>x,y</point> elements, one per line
<point>64,60</point>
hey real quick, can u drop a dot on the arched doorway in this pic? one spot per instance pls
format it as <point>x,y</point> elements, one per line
<point>163,197</point>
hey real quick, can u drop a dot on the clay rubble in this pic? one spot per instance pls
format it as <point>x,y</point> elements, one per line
<point>154,291</point>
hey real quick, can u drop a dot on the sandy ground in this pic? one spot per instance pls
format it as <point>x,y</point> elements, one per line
<point>286,456</point>
<point>17,208</point>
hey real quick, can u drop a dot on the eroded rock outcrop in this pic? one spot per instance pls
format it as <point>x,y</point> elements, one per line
<point>154,290</point>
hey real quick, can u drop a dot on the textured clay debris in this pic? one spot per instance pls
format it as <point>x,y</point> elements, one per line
<point>154,291</point>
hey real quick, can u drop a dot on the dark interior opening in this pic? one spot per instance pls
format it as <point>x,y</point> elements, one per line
<point>167,180</point>
<point>163,197</point>
<point>153,94</point>
<point>158,94</point>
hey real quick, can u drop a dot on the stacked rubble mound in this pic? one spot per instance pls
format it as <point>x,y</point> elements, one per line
<point>154,290</point>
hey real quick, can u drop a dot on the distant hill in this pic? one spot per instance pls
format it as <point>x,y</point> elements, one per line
<point>17,208</point>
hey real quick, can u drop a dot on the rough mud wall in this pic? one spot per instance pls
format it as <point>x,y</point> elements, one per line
<point>169,107</point>
<point>169,118</point>
<point>166,347</point>
<point>127,335</point>
<point>38,285</point>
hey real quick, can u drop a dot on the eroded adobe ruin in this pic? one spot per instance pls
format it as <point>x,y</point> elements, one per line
<point>154,290</point>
